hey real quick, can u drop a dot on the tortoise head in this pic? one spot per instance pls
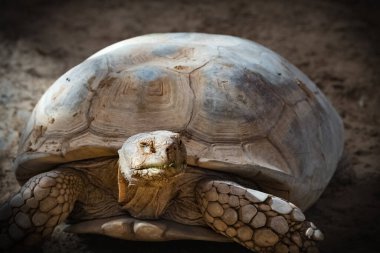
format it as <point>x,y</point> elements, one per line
<point>152,158</point>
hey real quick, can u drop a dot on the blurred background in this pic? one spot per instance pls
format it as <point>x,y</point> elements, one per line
<point>336,43</point>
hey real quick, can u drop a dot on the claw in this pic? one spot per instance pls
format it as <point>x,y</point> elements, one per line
<point>314,233</point>
<point>318,235</point>
<point>309,233</point>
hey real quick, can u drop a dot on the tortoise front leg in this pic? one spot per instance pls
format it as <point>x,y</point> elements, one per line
<point>41,204</point>
<point>259,221</point>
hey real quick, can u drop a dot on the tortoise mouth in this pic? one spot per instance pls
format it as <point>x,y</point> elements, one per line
<point>154,171</point>
<point>156,166</point>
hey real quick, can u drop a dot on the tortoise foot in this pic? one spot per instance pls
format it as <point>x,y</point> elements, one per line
<point>257,220</point>
<point>40,205</point>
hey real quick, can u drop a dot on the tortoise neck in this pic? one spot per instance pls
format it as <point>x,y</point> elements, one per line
<point>148,202</point>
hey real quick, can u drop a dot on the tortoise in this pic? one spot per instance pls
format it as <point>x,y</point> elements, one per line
<point>177,136</point>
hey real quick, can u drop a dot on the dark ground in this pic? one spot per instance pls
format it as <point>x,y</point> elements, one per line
<point>336,43</point>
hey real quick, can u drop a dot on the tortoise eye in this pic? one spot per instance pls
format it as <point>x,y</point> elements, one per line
<point>144,144</point>
<point>147,146</point>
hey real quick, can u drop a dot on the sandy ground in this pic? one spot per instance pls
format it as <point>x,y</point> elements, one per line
<point>334,42</point>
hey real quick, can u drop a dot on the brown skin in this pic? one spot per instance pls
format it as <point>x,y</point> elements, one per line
<point>152,183</point>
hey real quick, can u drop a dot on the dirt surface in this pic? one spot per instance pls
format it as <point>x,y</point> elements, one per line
<point>336,43</point>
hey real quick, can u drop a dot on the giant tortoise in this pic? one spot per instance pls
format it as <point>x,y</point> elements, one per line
<point>177,136</point>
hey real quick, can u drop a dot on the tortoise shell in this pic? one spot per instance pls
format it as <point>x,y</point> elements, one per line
<point>240,107</point>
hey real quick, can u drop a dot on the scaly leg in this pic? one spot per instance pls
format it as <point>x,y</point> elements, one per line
<point>41,204</point>
<point>259,221</point>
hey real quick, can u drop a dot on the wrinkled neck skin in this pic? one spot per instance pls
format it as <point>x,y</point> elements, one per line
<point>150,200</point>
